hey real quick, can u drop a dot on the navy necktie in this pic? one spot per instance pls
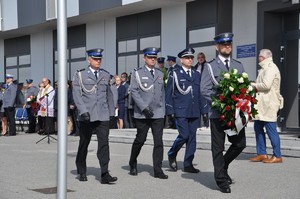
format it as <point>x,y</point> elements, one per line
<point>96,74</point>
<point>188,72</point>
<point>152,73</point>
<point>226,64</point>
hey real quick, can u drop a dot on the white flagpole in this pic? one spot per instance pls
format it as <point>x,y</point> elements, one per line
<point>62,99</point>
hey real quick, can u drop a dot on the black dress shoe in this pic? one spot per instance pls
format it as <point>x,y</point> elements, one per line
<point>82,177</point>
<point>160,175</point>
<point>191,169</point>
<point>107,179</point>
<point>133,171</point>
<point>173,164</point>
<point>225,189</point>
<point>228,178</point>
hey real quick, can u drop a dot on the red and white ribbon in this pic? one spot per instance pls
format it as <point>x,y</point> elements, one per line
<point>243,106</point>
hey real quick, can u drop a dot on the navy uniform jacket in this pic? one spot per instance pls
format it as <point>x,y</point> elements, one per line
<point>9,96</point>
<point>207,90</point>
<point>187,106</point>
<point>147,91</point>
<point>93,96</point>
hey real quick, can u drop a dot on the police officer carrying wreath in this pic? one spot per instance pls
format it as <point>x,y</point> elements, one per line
<point>94,101</point>
<point>210,77</point>
<point>30,105</point>
<point>147,90</point>
<point>183,101</point>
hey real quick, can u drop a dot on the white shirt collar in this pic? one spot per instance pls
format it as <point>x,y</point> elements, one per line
<point>150,69</point>
<point>186,69</point>
<point>223,59</point>
<point>93,70</point>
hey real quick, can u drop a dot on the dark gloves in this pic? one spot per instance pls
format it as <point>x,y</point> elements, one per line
<point>85,117</point>
<point>148,112</point>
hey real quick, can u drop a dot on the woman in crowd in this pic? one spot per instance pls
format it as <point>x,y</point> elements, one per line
<point>121,101</point>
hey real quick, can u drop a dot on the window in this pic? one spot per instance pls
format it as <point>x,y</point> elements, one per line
<point>134,33</point>
<point>76,59</point>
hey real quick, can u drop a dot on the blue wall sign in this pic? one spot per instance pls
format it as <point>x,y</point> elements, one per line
<point>246,51</point>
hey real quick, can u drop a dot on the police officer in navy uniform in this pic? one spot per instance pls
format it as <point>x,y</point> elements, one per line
<point>31,92</point>
<point>183,100</point>
<point>9,101</point>
<point>172,63</point>
<point>210,77</point>
<point>148,94</point>
<point>94,101</point>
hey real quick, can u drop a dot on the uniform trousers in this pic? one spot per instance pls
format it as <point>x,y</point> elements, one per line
<point>10,114</point>
<point>101,129</point>
<point>31,120</point>
<point>187,128</point>
<point>143,126</point>
<point>221,161</point>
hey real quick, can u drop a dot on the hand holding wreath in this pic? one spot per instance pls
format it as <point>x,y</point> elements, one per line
<point>234,101</point>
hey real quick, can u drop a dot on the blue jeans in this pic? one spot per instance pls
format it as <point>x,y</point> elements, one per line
<point>261,137</point>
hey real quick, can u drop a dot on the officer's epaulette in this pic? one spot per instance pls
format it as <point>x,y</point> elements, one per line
<point>81,70</point>
<point>211,60</point>
<point>104,71</point>
<point>236,61</point>
<point>156,68</point>
<point>176,69</point>
<point>139,68</point>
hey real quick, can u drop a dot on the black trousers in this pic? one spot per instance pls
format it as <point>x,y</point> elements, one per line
<point>101,129</point>
<point>31,120</point>
<point>10,114</point>
<point>143,126</point>
<point>220,161</point>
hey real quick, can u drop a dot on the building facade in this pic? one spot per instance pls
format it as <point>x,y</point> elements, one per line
<point>123,28</point>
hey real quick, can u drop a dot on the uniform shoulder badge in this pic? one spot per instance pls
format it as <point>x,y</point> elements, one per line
<point>211,60</point>
<point>236,61</point>
<point>81,70</point>
<point>104,71</point>
<point>138,68</point>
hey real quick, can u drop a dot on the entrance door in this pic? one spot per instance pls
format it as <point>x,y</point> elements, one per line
<point>290,76</point>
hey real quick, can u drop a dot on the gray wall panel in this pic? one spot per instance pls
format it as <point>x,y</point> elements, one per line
<point>86,6</point>
<point>31,12</point>
<point>17,46</point>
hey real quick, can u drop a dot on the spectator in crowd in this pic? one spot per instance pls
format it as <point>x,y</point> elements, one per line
<point>41,120</point>
<point>2,114</point>
<point>204,121</point>
<point>20,98</point>
<point>30,104</point>
<point>124,80</point>
<point>269,102</point>
<point>46,101</point>
<point>72,112</point>
<point>121,101</point>
<point>114,90</point>
<point>130,110</point>
<point>9,99</point>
